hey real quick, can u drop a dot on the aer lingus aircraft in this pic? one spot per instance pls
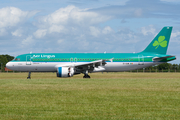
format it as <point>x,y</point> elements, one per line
<point>69,64</point>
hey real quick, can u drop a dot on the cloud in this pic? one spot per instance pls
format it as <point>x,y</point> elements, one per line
<point>175,34</point>
<point>107,30</point>
<point>94,31</point>
<point>28,41</point>
<point>56,28</point>
<point>17,33</point>
<point>12,21</point>
<point>68,19</point>
<point>40,33</point>
<point>148,30</point>
<point>11,16</point>
<point>72,14</point>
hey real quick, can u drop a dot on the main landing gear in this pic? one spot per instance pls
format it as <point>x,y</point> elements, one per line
<point>29,75</point>
<point>86,75</point>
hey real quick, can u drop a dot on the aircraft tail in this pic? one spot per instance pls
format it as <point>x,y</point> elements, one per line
<point>160,43</point>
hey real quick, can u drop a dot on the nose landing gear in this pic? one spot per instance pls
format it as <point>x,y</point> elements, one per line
<point>29,75</point>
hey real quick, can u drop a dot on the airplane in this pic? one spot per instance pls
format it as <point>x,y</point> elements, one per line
<point>69,64</point>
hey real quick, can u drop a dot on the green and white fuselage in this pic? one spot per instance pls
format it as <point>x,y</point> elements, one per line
<point>76,63</point>
<point>44,62</point>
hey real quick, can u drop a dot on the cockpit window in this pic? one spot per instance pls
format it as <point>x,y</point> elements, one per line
<point>17,59</point>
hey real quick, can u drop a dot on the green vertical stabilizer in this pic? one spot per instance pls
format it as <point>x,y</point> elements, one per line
<point>160,43</point>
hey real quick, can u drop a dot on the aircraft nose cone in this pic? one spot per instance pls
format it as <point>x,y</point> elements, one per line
<point>9,65</point>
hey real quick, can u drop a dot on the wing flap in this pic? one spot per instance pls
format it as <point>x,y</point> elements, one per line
<point>85,65</point>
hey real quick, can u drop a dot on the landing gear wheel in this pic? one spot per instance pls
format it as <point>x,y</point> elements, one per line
<point>86,76</point>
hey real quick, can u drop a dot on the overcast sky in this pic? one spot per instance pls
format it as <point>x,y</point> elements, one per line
<point>114,26</point>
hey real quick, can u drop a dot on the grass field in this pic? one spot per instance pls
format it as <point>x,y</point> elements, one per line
<point>105,96</point>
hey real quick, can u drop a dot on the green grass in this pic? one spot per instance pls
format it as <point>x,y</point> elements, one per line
<point>104,96</point>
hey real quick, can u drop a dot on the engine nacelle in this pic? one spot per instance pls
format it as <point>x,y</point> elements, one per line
<point>65,72</point>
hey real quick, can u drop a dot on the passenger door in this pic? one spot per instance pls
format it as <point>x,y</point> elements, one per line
<point>28,60</point>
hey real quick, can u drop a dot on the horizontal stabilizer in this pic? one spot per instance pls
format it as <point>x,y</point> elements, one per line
<point>157,59</point>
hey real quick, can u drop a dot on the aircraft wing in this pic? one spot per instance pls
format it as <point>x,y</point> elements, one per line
<point>90,66</point>
<point>157,59</point>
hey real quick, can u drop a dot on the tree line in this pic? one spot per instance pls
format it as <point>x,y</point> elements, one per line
<point>162,67</point>
<point>165,67</point>
<point>4,59</point>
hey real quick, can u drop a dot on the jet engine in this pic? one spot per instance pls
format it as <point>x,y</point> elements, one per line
<point>65,71</point>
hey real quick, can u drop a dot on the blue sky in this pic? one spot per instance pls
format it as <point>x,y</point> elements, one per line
<point>86,26</point>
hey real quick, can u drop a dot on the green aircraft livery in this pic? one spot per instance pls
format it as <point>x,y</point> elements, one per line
<point>69,64</point>
<point>161,41</point>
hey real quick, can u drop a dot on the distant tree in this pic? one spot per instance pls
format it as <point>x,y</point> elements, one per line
<point>175,66</point>
<point>170,66</point>
<point>149,68</point>
<point>4,59</point>
<point>164,66</point>
<point>8,57</point>
<point>155,67</point>
<point>179,67</point>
